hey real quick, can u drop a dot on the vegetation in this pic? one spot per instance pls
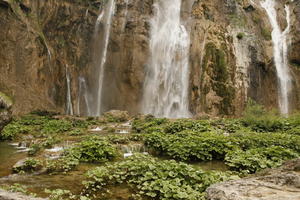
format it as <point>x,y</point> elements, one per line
<point>29,165</point>
<point>152,178</point>
<point>260,139</point>
<point>92,150</point>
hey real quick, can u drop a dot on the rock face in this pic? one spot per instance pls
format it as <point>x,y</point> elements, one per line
<point>230,54</point>
<point>5,195</point>
<point>277,184</point>
<point>5,110</point>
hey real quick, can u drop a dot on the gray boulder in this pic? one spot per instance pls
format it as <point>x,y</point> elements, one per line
<point>275,184</point>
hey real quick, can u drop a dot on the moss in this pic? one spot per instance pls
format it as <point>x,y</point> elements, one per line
<point>6,99</point>
<point>216,60</point>
<point>266,33</point>
<point>238,20</point>
<point>240,35</point>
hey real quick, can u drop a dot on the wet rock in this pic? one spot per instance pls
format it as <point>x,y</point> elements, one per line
<point>249,8</point>
<point>5,195</point>
<point>275,184</point>
<point>5,110</point>
<point>116,116</point>
<point>27,165</point>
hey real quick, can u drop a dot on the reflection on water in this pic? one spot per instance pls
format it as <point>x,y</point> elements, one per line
<point>8,157</point>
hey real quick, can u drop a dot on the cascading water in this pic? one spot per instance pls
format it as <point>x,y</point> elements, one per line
<point>280,49</point>
<point>69,96</point>
<point>125,15</point>
<point>83,93</point>
<point>104,20</point>
<point>167,79</point>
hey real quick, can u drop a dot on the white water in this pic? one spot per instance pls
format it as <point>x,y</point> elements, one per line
<point>69,96</point>
<point>104,19</point>
<point>280,49</point>
<point>167,78</point>
<point>83,93</point>
<point>125,15</point>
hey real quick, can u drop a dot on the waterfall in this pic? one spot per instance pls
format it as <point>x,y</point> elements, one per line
<point>104,20</point>
<point>280,49</point>
<point>167,78</point>
<point>69,96</point>
<point>83,92</point>
<point>125,15</point>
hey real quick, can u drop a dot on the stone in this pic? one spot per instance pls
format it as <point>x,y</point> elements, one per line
<point>5,110</point>
<point>274,184</point>
<point>5,195</point>
<point>116,116</point>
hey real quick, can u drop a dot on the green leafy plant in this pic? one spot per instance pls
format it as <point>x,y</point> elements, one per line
<point>253,160</point>
<point>152,178</point>
<point>29,165</point>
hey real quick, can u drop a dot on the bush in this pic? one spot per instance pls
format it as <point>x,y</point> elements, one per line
<point>29,165</point>
<point>148,125</point>
<point>259,120</point>
<point>190,146</point>
<point>181,125</point>
<point>91,150</point>
<point>56,126</point>
<point>13,130</point>
<point>253,160</point>
<point>95,149</point>
<point>154,179</point>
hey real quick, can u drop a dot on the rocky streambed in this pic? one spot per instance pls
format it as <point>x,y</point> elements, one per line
<point>118,156</point>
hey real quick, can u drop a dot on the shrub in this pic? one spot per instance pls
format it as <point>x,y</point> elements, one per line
<point>95,149</point>
<point>181,125</point>
<point>13,130</point>
<point>188,146</point>
<point>259,120</point>
<point>91,150</point>
<point>154,179</point>
<point>34,149</point>
<point>252,160</point>
<point>148,124</point>
<point>56,126</point>
<point>29,165</point>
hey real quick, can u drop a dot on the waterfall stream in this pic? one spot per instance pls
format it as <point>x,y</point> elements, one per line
<point>83,93</point>
<point>69,96</point>
<point>280,49</point>
<point>104,20</point>
<point>167,78</point>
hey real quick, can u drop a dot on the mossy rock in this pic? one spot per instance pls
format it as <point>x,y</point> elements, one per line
<point>5,101</point>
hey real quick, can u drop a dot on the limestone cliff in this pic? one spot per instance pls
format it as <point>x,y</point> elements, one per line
<point>230,53</point>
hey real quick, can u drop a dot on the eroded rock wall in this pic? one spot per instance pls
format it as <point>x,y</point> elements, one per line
<point>230,55</point>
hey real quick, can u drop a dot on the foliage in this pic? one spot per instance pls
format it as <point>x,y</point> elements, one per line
<point>152,178</point>
<point>256,159</point>
<point>64,164</point>
<point>118,139</point>
<point>93,149</point>
<point>148,124</point>
<point>29,165</point>
<point>12,130</point>
<point>186,124</point>
<point>17,188</point>
<point>60,194</point>
<point>56,126</point>
<point>76,132</point>
<point>260,120</point>
<point>189,146</point>
<point>240,35</point>
<point>34,149</point>
<point>257,140</point>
